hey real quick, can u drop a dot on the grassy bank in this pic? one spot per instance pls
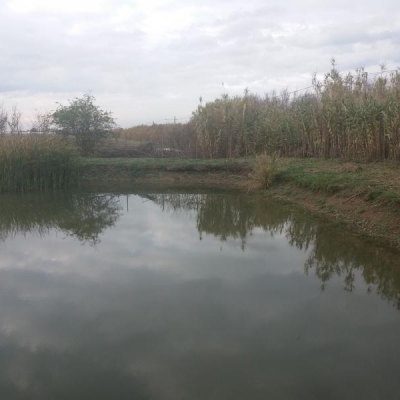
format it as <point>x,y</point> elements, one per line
<point>36,162</point>
<point>373,181</point>
<point>171,164</point>
<point>363,196</point>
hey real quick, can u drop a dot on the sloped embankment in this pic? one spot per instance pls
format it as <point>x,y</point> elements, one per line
<point>364,197</point>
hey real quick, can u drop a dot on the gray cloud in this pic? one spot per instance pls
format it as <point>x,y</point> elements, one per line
<point>147,62</point>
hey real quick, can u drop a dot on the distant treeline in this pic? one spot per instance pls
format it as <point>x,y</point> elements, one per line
<point>356,116</point>
<point>163,136</point>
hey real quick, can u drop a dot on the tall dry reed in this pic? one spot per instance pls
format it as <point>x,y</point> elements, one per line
<point>352,116</point>
<point>37,162</point>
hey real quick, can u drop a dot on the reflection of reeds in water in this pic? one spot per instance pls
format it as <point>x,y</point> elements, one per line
<point>36,162</point>
<point>221,215</point>
<point>330,252</point>
<point>84,216</point>
<point>336,255</point>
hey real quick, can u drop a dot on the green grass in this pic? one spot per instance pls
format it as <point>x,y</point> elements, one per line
<point>391,196</point>
<point>172,164</point>
<point>320,181</point>
<point>373,195</point>
<point>374,181</point>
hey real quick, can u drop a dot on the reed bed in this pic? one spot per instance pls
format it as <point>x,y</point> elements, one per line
<point>352,116</point>
<point>37,162</point>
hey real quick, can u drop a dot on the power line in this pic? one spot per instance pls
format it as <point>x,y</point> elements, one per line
<point>368,74</point>
<point>175,119</point>
<point>299,90</point>
<point>158,122</point>
<point>383,72</point>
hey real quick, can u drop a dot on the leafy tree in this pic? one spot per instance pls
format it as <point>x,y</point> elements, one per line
<point>84,120</point>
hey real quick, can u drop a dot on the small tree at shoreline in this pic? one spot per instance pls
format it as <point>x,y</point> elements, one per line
<point>14,122</point>
<point>3,120</point>
<point>85,121</point>
<point>42,123</point>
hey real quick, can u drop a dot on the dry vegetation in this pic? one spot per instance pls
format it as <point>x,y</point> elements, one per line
<point>179,138</point>
<point>354,117</point>
<point>350,117</point>
<point>265,170</point>
<point>36,162</point>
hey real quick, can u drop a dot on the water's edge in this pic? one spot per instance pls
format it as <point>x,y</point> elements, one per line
<point>356,214</point>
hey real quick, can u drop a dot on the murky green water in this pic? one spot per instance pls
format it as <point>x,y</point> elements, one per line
<point>191,296</point>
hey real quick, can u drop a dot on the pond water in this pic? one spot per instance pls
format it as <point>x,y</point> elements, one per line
<point>161,295</point>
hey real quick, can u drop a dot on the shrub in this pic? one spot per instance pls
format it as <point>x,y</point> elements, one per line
<point>265,170</point>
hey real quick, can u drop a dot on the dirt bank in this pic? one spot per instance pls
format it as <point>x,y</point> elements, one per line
<point>209,179</point>
<point>363,197</point>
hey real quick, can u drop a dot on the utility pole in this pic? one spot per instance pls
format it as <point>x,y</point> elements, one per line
<point>162,144</point>
<point>172,119</point>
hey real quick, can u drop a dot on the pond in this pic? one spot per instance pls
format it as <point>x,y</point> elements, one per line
<point>212,295</point>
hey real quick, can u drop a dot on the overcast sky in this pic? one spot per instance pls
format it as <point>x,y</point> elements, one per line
<point>150,60</point>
